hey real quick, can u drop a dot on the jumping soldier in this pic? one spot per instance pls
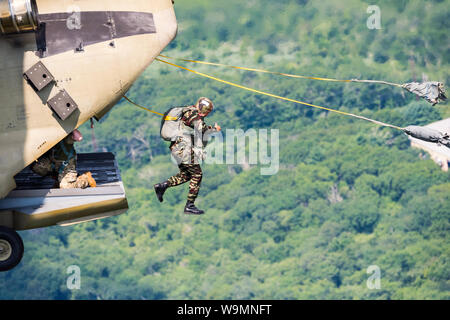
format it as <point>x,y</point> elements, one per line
<point>187,143</point>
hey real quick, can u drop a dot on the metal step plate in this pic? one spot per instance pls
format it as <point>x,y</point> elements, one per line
<point>39,76</point>
<point>63,105</point>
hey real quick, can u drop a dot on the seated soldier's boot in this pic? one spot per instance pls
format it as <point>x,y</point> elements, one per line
<point>190,208</point>
<point>90,179</point>
<point>160,188</point>
<point>84,181</point>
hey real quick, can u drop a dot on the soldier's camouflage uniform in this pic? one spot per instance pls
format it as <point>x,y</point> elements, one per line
<point>187,150</point>
<point>60,162</point>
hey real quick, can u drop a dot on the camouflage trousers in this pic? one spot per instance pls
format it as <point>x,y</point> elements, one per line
<point>188,172</point>
<point>67,178</point>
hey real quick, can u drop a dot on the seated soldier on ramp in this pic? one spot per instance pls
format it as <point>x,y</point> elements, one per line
<point>61,161</point>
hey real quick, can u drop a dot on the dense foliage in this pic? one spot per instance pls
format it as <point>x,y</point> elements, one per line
<point>348,194</point>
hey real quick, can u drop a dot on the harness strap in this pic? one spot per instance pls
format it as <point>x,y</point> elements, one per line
<point>70,155</point>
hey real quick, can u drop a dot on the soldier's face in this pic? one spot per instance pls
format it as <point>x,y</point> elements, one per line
<point>203,114</point>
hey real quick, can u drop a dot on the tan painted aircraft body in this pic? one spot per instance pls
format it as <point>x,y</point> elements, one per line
<point>85,54</point>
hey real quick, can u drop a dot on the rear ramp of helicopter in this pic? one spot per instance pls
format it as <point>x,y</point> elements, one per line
<point>35,203</point>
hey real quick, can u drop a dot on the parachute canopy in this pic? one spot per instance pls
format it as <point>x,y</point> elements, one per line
<point>432,91</point>
<point>428,134</point>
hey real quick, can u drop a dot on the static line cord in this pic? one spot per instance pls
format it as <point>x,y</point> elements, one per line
<point>279,97</point>
<point>139,106</point>
<point>281,73</point>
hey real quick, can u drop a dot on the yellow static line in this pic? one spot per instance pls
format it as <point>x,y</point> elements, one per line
<point>255,70</point>
<point>137,105</point>
<point>160,114</point>
<point>279,97</point>
<point>280,73</point>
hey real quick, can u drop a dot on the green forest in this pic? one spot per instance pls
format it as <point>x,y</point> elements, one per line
<point>348,194</point>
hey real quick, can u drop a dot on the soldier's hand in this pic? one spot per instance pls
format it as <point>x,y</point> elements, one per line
<point>217,127</point>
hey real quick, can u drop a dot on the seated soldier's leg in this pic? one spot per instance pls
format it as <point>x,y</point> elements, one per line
<point>42,167</point>
<point>69,179</point>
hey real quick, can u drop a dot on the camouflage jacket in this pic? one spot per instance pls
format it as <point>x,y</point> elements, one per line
<point>191,118</point>
<point>64,150</point>
<point>194,132</point>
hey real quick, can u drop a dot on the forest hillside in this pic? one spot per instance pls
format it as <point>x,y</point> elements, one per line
<point>347,195</point>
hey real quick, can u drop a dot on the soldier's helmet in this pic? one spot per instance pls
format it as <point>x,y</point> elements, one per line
<point>205,105</point>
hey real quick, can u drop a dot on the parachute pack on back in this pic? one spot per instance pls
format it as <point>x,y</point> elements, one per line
<point>170,124</point>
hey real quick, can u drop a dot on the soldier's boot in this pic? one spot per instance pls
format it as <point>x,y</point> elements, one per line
<point>91,180</point>
<point>190,208</point>
<point>160,188</point>
<point>86,180</point>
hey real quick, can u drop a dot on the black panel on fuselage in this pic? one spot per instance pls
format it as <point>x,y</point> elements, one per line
<point>54,36</point>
